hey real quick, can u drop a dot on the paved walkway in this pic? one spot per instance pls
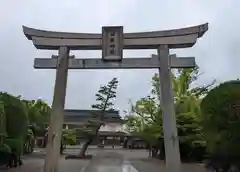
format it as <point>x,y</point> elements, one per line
<point>105,160</point>
<point>36,165</point>
<point>131,161</point>
<point>109,162</point>
<point>35,162</point>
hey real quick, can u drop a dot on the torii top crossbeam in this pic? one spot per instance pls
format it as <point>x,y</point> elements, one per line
<point>177,38</point>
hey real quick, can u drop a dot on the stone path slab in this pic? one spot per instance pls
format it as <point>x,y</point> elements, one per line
<point>107,161</point>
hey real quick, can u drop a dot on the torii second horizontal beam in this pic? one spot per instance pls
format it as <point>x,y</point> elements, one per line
<point>126,63</point>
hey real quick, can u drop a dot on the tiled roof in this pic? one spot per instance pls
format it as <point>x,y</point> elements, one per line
<point>74,115</point>
<point>108,133</point>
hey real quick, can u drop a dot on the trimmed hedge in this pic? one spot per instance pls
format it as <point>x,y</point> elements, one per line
<point>16,115</point>
<point>5,153</point>
<point>5,148</point>
<point>15,144</point>
<point>221,123</point>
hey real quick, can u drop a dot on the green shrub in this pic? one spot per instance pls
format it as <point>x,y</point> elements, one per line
<point>69,137</point>
<point>5,152</point>
<point>5,148</point>
<point>15,143</point>
<point>221,122</point>
<point>28,142</point>
<point>16,115</point>
<point>194,151</point>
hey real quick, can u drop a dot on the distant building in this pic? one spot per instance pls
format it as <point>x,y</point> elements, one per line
<point>75,118</point>
<point>112,132</point>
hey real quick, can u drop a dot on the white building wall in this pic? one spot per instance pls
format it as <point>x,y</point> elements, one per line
<point>115,127</point>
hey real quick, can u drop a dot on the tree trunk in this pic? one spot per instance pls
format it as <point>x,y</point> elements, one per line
<point>162,152</point>
<point>1,140</point>
<point>85,146</point>
<point>154,152</point>
<point>89,141</point>
<point>150,152</point>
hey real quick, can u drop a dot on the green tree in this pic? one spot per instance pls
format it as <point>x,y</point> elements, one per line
<point>38,115</point>
<point>133,123</point>
<point>104,98</point>
<point>221,122</point>
<point>187,101</point>
<point>68,137</point>
<point>145,121</point>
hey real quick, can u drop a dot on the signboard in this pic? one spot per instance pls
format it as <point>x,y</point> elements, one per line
<point>112,43</point>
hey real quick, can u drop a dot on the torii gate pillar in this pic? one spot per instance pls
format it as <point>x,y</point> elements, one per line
<point>56,121</point>
<point>171,142</point>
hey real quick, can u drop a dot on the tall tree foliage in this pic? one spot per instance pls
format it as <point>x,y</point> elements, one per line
<point>38,115</point>
<point>187,101</point>
<point>187,107</point>
<point>104,97</point>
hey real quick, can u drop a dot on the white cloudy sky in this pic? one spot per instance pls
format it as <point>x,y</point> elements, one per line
<point>216,53</point>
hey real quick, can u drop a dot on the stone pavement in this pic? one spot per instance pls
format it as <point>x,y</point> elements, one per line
<point>108,161</point>
<point>131,161</point>
<point>105,160</point>
<point>36,165</point>
<point>146,164</point>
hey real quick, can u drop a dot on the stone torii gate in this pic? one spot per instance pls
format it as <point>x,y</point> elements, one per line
<point>112,41</point>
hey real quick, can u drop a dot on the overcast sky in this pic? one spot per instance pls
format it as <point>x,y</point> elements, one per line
<point>217,52</point>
